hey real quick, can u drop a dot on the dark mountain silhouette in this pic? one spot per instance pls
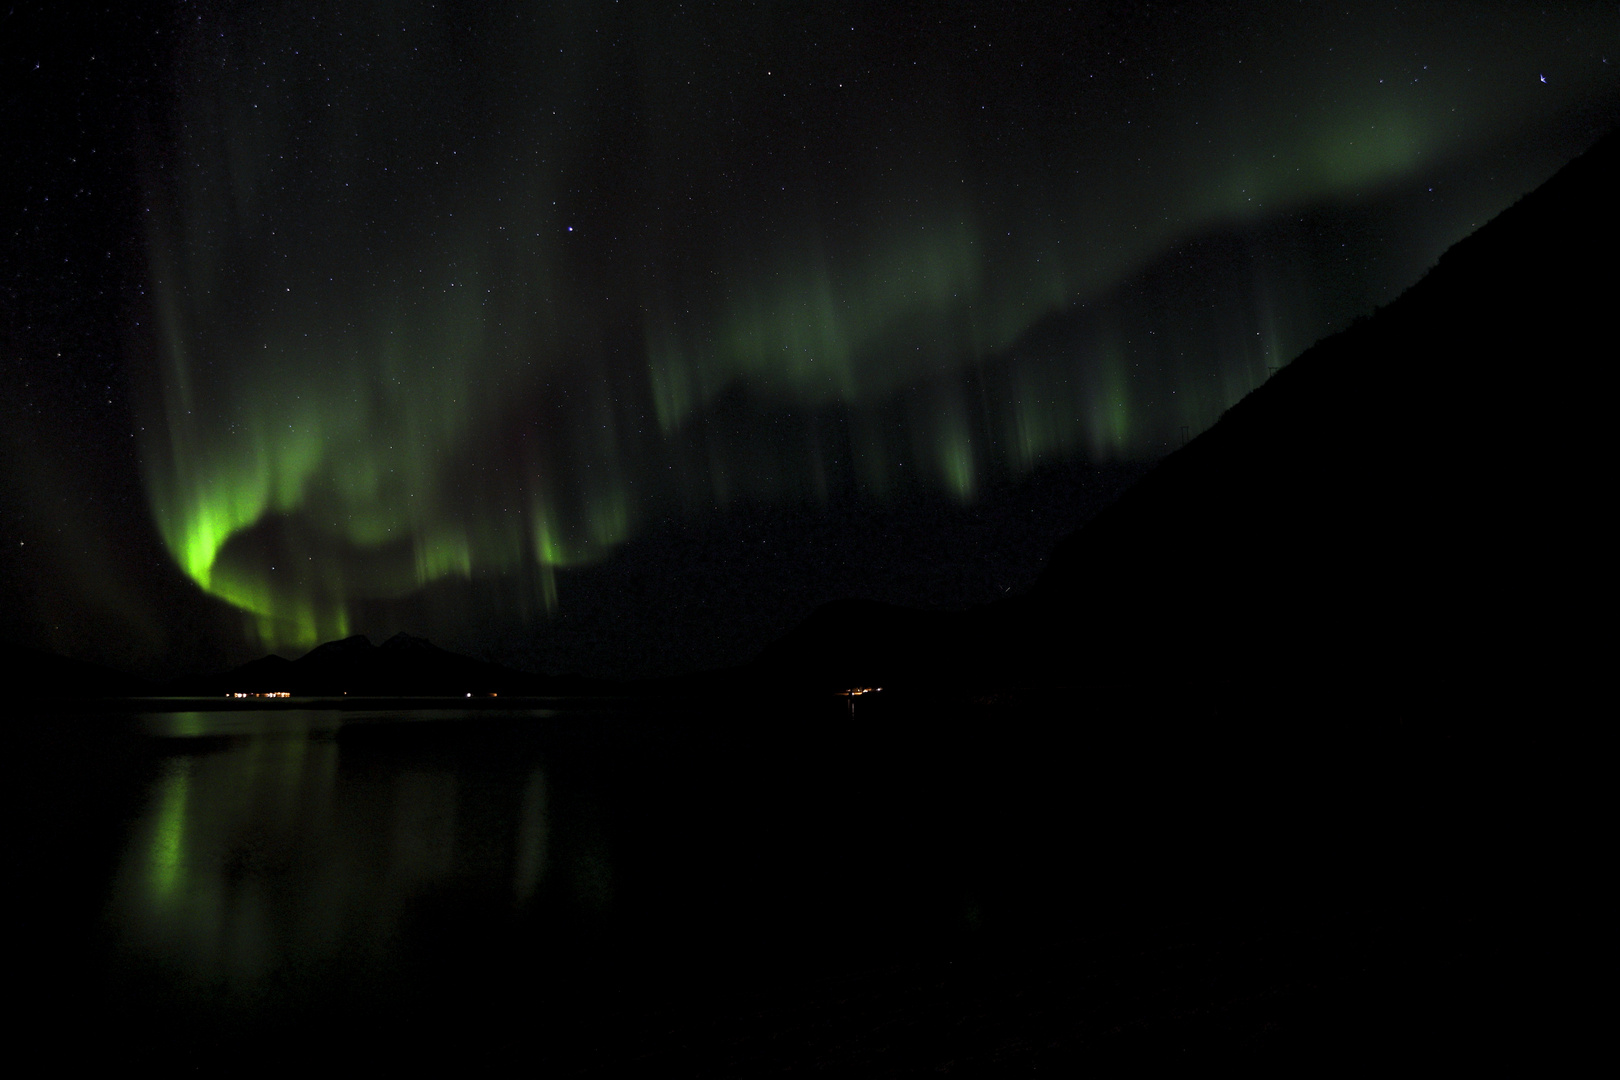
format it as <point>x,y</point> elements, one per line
<point>402,666</point>
<point>1402,518</point>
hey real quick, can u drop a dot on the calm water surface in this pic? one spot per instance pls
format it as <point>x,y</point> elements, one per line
<point>257,871</point>
<point>470,885</point>
<point>270,845</point>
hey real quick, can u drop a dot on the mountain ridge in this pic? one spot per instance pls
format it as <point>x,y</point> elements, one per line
<point>1335,537</point>
<point>1334,532</point>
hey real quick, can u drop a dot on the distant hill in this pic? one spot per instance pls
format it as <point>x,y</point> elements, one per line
<point>1403,518</point>
<point>402,666</point>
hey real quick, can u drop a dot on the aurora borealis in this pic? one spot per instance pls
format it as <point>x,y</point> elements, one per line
<point>437,304</point>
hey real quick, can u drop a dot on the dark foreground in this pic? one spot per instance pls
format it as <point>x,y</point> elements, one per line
<point>996,889</point>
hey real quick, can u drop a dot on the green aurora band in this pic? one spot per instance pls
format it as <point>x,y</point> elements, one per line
<point>445,301</point>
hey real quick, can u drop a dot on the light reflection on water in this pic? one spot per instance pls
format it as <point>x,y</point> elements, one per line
<point>276,868</point>
<point>284,722</point>
<point>269,845</point>
<point>531,884</point>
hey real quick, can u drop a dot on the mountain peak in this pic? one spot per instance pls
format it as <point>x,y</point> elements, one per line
<point>404,665</point>
<point>404,641</point>
<point>348,646</point>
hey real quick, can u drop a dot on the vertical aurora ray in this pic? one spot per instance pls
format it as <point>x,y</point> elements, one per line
<point>471,299</point>
<point>334,370</point>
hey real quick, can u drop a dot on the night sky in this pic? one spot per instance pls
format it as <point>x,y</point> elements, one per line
<point>512,325</point>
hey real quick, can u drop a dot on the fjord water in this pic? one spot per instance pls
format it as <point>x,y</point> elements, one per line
<point>467,879</point>
<point>547,883</point>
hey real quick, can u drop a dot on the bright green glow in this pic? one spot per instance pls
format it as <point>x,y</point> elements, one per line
<point>1350,153</point>
<point>415,332</point>
<point>1110,426</point>
<point>605,524</point>
<point>314,409</point>
<point>852,327</point>
<point>166,856</point>
<point>957,466</point>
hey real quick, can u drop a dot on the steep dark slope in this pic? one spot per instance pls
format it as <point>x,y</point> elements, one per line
<point>1405,517</point>
<point>1407,510</point>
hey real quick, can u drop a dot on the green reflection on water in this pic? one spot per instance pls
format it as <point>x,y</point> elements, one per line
<point>166,856</point>
<point>269,849</point>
